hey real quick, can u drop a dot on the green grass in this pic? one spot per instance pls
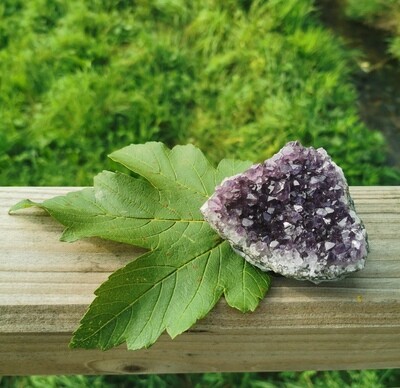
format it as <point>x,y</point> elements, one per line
<point>309,379</point>
<point>237,78</point>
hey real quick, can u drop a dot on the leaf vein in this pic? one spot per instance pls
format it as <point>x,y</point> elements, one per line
<point>150,289</point>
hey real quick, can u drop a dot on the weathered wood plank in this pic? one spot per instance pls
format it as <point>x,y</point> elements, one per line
<point>46,285</point>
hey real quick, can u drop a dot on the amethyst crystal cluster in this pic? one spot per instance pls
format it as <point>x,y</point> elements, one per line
<point>293,215</point>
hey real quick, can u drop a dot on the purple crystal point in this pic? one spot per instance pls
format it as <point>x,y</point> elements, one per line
<point>293,215</point>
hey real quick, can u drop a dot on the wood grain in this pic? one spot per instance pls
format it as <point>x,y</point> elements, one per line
<point>46,286</point>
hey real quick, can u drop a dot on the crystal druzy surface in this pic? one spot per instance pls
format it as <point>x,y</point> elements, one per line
<point>293,215</point>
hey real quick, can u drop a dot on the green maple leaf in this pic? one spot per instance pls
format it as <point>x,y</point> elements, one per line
<point>188,268</point>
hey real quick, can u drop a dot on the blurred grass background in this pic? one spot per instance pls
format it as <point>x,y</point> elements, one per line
<point>308,379</point>
<point>238,78</point>
<point>384,14</point>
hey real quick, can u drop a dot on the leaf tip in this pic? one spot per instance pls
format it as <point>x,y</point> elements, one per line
<point>24,204</point>
<point>77,342</point>
<point>72,344</point>
<point>68,235</point>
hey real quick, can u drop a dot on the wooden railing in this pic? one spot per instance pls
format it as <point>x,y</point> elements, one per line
<point>46,286</point>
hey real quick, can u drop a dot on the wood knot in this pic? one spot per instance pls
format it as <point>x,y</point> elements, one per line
<point>132,369</point>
